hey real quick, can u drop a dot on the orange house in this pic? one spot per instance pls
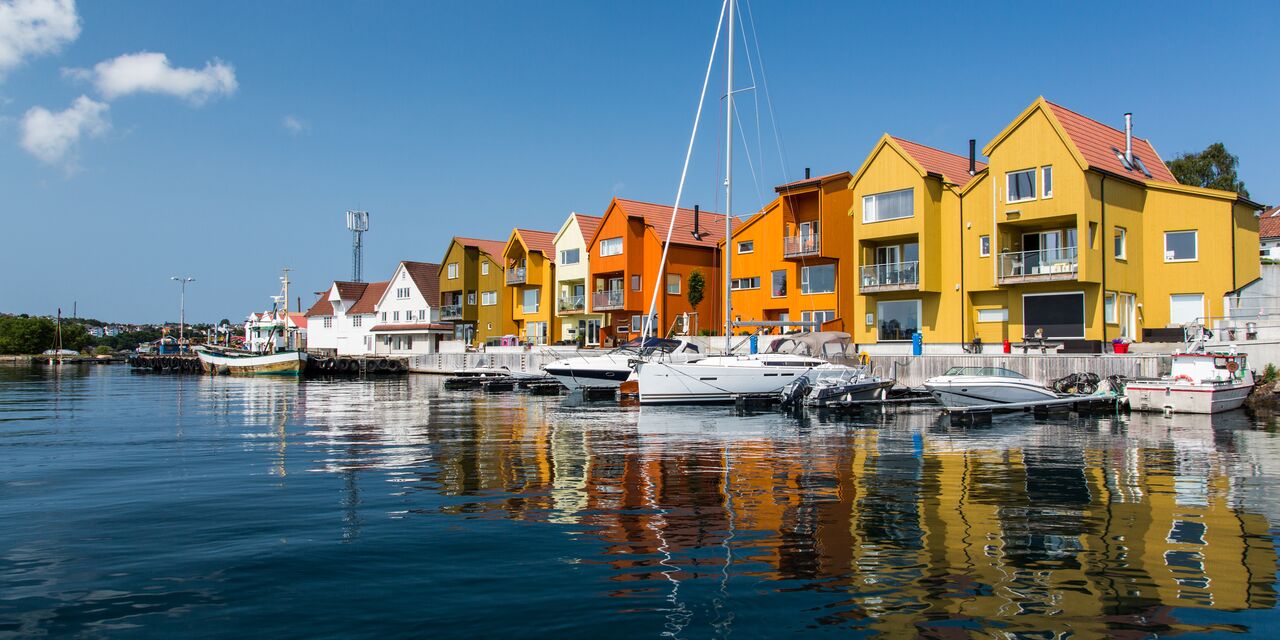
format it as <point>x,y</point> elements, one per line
<point>626,253</point>
<point>794,259</point>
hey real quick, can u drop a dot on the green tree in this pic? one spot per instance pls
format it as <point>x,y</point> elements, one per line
<point>697,288</point>
<point>20,335</point>
<point>1213,168</point>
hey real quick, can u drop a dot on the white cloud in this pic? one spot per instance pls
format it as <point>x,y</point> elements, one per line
<point>30,28</point>
<point>294,125</point>
<point>52,137</point>
<point>147,72</point>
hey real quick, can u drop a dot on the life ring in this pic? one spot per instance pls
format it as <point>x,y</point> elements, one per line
<point>1183,377</point>
<point>1232,366</point>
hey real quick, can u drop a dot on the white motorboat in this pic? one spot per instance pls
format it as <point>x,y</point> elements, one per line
<point>483,370</point>
<point>981,386</point>
<point>722,378</point>
<point>1199,381</point>
<point>246,363</point>
<point>611,369</point>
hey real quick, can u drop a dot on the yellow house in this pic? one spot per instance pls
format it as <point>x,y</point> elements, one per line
<point>530,267</point>
<point>472,290</point>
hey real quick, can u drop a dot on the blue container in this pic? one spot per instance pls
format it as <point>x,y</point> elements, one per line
<point>917,343</point>
<point>755,344</point>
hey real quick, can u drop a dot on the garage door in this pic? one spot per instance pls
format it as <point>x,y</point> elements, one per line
<point>1059,315</point>
<point>1185,307</point>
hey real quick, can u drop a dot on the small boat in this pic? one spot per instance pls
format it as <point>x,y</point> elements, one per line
<point>853,384</point>
<point>1200,381</point>
<point>981,386</point>
<point>249,363</point>
<point>482,370</point>
<point>609,370</point>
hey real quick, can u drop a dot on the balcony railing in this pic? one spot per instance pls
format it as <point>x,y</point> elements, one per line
<point>894,276</point>
<point>515,275</point>
<point>1039,265</point>
<point>800,246</point>
<point>569,304</point>
<point>451,312</point>
<point>607,300</point>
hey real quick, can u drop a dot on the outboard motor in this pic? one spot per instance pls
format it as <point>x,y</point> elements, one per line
<point>794,393</point>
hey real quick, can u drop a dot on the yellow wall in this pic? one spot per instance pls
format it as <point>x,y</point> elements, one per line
<point>539,274</point>
<point>489,320</point>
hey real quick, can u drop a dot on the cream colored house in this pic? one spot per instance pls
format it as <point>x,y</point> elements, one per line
<point>571,280</point>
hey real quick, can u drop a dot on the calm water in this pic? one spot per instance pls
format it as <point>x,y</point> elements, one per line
<point>142,505</point>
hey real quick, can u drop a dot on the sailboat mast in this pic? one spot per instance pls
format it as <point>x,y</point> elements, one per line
<point>728,194</point>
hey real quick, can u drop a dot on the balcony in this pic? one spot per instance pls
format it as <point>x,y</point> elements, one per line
<point>607,300</point>
<point>515,275</point>
<point>572,304</point>
<point>1041,265</point>
<point>451,312</point>
<point>896,276</point>
<point>801,246</point>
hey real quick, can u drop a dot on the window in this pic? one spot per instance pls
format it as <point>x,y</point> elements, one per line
<point>637,323</point>
<point>673,284</point>
<point>818,279</point>
<point>357,321</point>
<point>452,270</point>
<point>537,333</point>
<point>1046,182</point>
<point>778,287</point>
<point>402,293</point>
<point>888,206</point>
<point>395,316</point>
<point>471,297</point>
<point>569,256</point>
<point>531,298</point>
<point>1058,315</point>
<point>422,314</point>
<point>1180,246</point>
<point>993,315</point>
<point>484,267</point>
<point>611,247</point>
<point>635,282</point>
<point>747,246</point>
<point>384,316</point>
<point>1109,307</point>
<point>984,246</point>
<point>328,322</point>
<point>817,316</point>
<point>1020,185</point>
<point>1185,308</point>
<point>1120,249</point>
<point>488,298</point>
<point>899,320</point>
<point>744,283</point>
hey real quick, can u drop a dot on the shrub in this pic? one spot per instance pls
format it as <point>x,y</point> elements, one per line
<point>1270,374</point>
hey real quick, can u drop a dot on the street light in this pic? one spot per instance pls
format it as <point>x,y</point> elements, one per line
<point>182,306</point>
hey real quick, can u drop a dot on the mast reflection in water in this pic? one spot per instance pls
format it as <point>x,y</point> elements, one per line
<point>394,506</point>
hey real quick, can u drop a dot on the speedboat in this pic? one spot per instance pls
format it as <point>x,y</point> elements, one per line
<point>482,370</point>
<point>981,386</point>
<point>611,369</point>
<point>835,383</point>
<point>1198,382</point>
<point>721,378</point>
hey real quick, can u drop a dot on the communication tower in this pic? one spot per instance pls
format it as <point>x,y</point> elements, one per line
<point>358,223</point>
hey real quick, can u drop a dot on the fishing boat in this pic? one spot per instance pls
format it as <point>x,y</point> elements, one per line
<point>277,358</point>
<point>983,386</point>
<point>1199,381</point>
<point>609,370</point>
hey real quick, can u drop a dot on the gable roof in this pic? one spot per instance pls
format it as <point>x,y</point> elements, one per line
<point>587,225</point>
<point>426,277</point>
<point>810,182</point>
<point>1269,223</point>
<point>492,247</point>
<point>658,218</point>
<point>953,168</point>
<point>350,290</point>
<point>1096,141</point>
<point>543,241</point>
<point>369,301</point>
<point>322,306</point>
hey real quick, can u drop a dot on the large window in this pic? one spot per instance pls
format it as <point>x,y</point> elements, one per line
<point>673,284</point>
<point>569,256</point>
<point>531,298</point>
<point>1180,246</point>
<point>1056,315</point>
<point>452,270</point>
<point>744,283</point>
<point>888,206</point>
<point>1020,185</point>
<point>488,298</point>
<point>610,247</point>
<point>818,279</point>
<point>778,287</point>
<point>898,319</point>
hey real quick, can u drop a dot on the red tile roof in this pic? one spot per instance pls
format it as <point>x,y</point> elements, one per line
<point>588,225</point>
<point>426,276</point>
<point>1269,223</point>
<point>299,320</point>
<point>350,290</point>
<point>658,216</point>
<point>543,241</point>
<point>420,326</point>
<point>1096,142</point>
<point>372,294</point>
<point>491,247</point>
<point>953,168</point>
<point>322,307</point>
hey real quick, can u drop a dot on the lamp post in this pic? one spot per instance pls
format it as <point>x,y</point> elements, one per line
<point>182,306</point>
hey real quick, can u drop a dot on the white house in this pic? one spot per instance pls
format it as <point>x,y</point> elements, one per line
<point>1269,233</point>
<point>571,280</point>
<point>269,331</point>
<point>339,322</point>
<point>408,312</point>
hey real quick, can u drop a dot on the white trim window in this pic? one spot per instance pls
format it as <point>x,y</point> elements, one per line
<point>395,316</point>
<point>471,297</point>
<point>819,278</point>
<point>402,293</point>
<point>747,246</point>
<point>778,283</point>
<point>673,284</point>
<point>488,298</point>
<point>1109,307</point>
<point>984,246</point>
<point>531,300</point>
<point>1020,186</point>
<point>1046,181</point>
<point>826,315</point>
<point>570,256</point>
<point>611,247</point>
<point>1000,314</point>
<point>898,320</point>
<point>484,267</point>
<point>739,284</point>
<point>1121,243</point>
<point>890,205</point>
<point>1186,308</point>
<point>452,270</point>
<point>1181,246</point>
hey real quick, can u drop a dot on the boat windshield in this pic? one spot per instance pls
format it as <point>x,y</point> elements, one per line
<point>998,372</point>
<point>656,345</point>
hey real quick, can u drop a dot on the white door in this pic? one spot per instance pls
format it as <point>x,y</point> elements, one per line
<point>1125,315</point>
<point>1186,307</point>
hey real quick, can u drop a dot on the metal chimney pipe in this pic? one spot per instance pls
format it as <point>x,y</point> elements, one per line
<point>1128,138</point>
<point>806,173</point>
<point>973,161</point>
<point>697,229</point>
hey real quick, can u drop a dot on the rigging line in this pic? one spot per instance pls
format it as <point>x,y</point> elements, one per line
<point>675,208</point>
<point>755,97</point>
<point>746,148</point>
<point>764,77</point>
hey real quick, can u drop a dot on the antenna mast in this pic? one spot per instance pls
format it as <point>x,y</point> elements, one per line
<point>358,223</point>
<point>728,195</point>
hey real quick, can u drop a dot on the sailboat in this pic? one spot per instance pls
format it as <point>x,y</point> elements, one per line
<point>722,378</point>
<point>287,361</point>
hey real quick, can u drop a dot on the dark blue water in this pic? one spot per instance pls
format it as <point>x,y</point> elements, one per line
<point>164,506</point>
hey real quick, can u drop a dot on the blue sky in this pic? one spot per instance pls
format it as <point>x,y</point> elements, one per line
<point>470,118</point>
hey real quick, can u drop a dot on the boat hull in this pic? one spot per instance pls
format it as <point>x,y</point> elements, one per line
<point>1185,398</point>
<point>289,363</point>
<point>666,383</point>
<point>975,393</point>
